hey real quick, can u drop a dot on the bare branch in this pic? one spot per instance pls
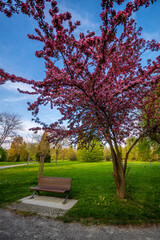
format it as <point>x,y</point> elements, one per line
<point>9,124</point>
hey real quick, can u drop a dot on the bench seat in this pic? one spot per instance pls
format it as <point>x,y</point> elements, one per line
<point>57,190</point>
<point>53,184</point>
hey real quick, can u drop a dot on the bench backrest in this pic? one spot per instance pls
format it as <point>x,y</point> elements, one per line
<point>51,182</point>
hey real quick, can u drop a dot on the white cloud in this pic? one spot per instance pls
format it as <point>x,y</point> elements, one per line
<point>150,36</point>
<point>27,124</point>
<point>134,16</point>
<point>13,86</point>
<point>14,99</point>
<point>26,133</point>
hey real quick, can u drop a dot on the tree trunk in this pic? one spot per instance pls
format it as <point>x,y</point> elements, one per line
<point>28,158</point>
<point>41,166</point>
<point>56,155</point>
<point>119,176</point>
<point>119,169</point>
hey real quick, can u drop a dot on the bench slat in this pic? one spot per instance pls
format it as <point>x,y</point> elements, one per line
<point>50,182</point>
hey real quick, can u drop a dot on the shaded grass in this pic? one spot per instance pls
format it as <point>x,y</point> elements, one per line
<point>94,188</point>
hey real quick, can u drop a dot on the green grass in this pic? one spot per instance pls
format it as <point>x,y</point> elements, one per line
<point>94,188</point>
<point>10,163</point>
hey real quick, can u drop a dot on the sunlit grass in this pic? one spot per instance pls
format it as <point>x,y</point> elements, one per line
<point>94,188</point>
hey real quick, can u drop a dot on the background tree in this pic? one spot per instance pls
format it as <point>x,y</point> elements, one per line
<point>63,153</point>
<point>71,153</point>
<point>17,151</point>
<point>59,142</point>
<point>24,153</point>
<point>134,152</point>
<point>102,83</point>
<point>144,150</point>
<point>3,155</point>
<point>155,151</point>
<point>148,149</point>
<point>9,124</point>
<point>32,151</point>
<point>32,143</point>
<point>107,153</point>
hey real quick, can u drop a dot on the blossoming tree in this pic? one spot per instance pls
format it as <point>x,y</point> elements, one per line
<point>101,85</point>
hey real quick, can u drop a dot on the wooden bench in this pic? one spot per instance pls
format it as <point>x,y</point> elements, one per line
<point>53,184</point>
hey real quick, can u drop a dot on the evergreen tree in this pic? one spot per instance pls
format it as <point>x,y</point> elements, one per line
<point>44,149</point>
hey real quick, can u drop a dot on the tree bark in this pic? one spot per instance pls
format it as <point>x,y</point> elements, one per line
<point>56,156</point>
<point>119,175</point>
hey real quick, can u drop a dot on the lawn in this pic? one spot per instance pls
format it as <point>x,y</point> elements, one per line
<point>94,188</point>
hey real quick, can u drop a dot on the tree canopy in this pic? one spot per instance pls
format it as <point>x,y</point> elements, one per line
<point>101,86</point>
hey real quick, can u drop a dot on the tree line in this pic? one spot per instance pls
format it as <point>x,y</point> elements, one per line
<point>21,151</point>
<point>147,149</point>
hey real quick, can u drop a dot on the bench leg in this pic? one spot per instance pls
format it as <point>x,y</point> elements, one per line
<point>33,195</point>
<point>67,196</point>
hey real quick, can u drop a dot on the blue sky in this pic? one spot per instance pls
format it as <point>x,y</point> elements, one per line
<point>17,52</point>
